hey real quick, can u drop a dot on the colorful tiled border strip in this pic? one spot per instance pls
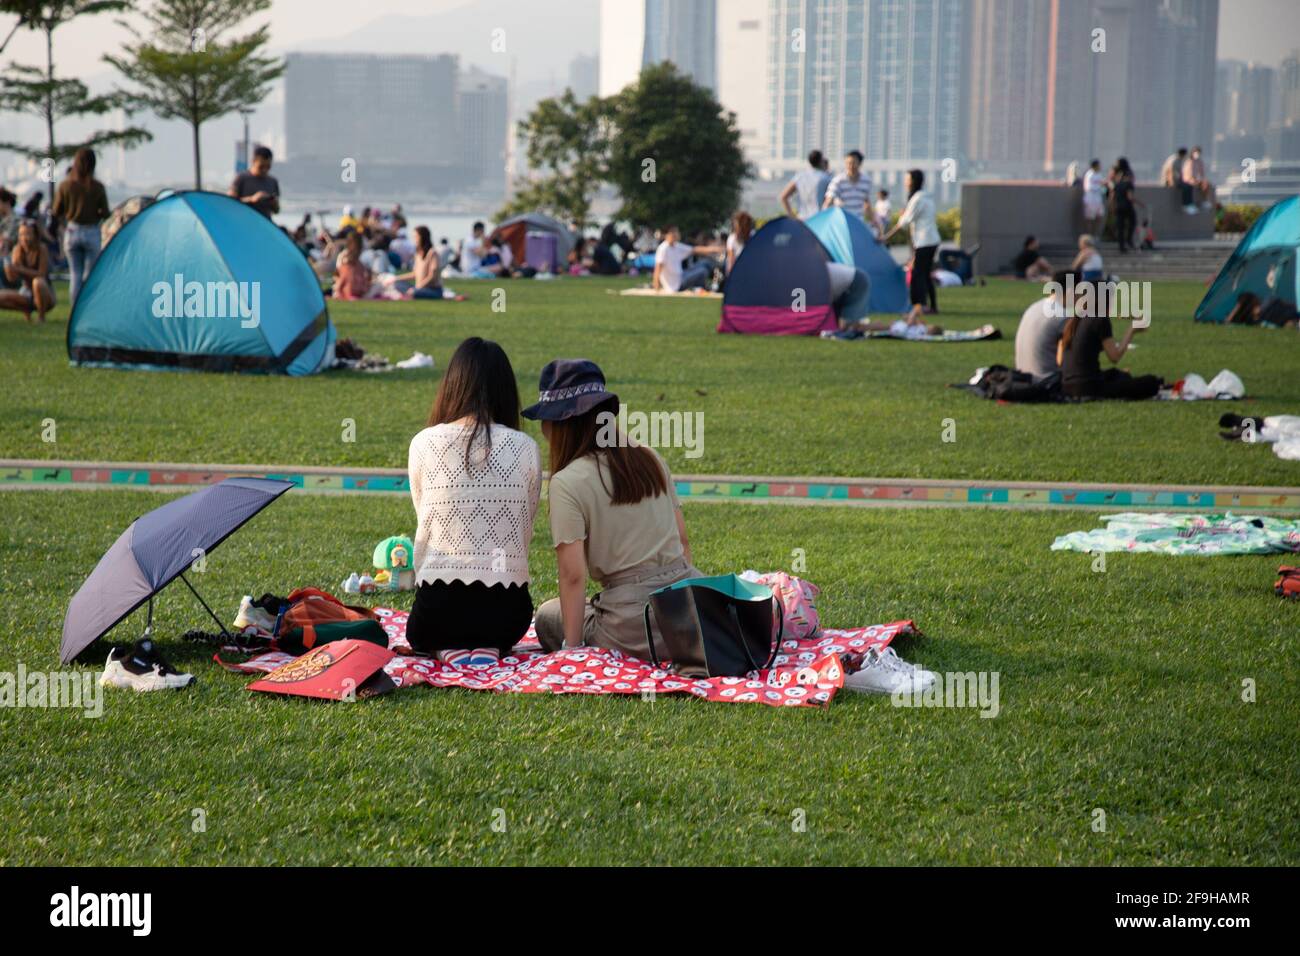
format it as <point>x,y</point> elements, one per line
<point>846,491</point>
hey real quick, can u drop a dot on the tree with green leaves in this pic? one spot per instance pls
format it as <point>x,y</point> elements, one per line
<point>675,154</point>
<point>664,142</point>
<point>567,142</point>
<point>185,63</point>
<point>37,91</point>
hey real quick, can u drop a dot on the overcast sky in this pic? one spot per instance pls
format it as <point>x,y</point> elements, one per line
<point>1261,30</point>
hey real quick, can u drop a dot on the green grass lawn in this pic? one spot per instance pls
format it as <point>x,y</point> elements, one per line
<point>1120,690</point>
<point>785,406</point>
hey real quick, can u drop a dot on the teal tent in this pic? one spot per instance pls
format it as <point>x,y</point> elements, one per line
<point>198,280</point>
<point>848,240</point>
<point>1264,263</point>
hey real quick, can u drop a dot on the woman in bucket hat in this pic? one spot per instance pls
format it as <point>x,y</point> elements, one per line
<point>614,516</point>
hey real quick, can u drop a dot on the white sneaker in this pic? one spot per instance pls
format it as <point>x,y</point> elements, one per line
<point>254,617</point>
<point>1191,209</point>
<point>142,668</point>
<point>884,672</point>
<point>353,584</point>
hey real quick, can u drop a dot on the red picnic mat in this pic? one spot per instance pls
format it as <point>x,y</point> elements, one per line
<point>807,671</point>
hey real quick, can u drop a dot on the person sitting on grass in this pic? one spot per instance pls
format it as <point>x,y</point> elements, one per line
<point>578,261</point>
<point>1029,262</point>
<point>1250,309</point>
<point>499,259</point>
<point>352,279</point>
<point>671,274</point>
<point>27,269</point>
<point>1087,264</point>
<point>426,274</point>
<point>1039,332</point>
<point>472,459</point>
<point>1087,334</point>
<point>614,516</point>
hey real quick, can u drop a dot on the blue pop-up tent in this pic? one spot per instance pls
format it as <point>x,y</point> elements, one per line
<point>198,280</point>
<point>848,240</point>
<point>1264,263</point>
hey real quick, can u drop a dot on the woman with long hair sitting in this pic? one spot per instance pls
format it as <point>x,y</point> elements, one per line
<point>614,516</point>
<point>426,273</point>
<point>475,482</point>
<point>1087,334</point>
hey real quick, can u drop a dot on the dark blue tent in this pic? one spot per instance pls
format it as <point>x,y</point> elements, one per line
<point>779,284</point>
<point>848,240</point>
<point>199,280</point>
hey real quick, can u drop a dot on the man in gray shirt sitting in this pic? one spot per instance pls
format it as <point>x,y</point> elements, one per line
<point>1039,330</point>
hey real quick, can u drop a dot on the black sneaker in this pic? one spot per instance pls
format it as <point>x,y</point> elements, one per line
<point>142,667</point>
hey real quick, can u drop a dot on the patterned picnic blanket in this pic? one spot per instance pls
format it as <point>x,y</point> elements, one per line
<point>808,670</point>
<point>1204,534</point>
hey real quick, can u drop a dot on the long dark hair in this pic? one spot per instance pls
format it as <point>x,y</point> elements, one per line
<point>83,165</point>
<point>918,182</point>
<point>634,471</point>
<point>742,225</point>
<point>480,384</point>
<point>423,241</point>
<point>1080,286</point>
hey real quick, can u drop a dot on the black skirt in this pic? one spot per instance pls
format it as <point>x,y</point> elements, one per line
<point>454,616</point>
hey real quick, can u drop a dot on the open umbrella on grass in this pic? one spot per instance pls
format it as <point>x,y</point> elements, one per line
<point>156,549</point>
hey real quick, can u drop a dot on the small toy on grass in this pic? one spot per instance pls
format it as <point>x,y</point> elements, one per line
<point>393,560</point>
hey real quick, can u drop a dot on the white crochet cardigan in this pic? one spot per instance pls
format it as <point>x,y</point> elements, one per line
<point>475,523</point>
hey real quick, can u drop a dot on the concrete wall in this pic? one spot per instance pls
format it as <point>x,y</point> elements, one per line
<point>999,215</point>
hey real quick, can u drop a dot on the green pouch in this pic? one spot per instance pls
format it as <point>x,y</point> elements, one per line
<point>302,639</point>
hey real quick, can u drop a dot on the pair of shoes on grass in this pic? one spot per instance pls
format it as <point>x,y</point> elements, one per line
<point>884,672</point>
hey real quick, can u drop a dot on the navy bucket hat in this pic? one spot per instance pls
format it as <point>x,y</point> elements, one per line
<point>568,388</point>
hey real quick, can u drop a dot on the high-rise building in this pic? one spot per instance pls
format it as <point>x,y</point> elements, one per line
<point>1243,98</point>
<point>584,76</point>
<point>366,123</point>
<point>393,109</point>
<point>482,104</point>
<point>743,40</point>
<point>1288,77</point>
<point>1051,82</point>
<point>639,33</point>
<point>879,76</point>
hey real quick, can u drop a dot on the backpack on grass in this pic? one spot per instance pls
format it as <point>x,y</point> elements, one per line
<point>1288,585</point>
<point>310,617</point>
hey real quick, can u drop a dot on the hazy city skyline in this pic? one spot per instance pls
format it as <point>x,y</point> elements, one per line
<point>542,46</point>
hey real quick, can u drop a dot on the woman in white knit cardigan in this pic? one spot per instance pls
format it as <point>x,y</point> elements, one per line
<point>475,482</point>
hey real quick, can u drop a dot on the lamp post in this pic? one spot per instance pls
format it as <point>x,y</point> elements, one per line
<point>245,112</point>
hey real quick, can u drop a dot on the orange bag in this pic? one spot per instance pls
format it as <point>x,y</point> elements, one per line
<point>311,606</point>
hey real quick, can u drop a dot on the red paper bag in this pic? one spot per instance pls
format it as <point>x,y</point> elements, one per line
<point>341,670</point>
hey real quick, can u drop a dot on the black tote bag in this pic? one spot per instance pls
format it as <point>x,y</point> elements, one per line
<point>716,627</point>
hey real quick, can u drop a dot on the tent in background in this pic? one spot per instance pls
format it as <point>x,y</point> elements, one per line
<point>198,280</point>
<point>779,284</point>
<point>848,240</point>
<point>1263,263</point>
<point>514,233</point>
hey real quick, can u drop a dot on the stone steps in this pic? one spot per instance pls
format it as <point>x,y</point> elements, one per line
<point>1200,261</point>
